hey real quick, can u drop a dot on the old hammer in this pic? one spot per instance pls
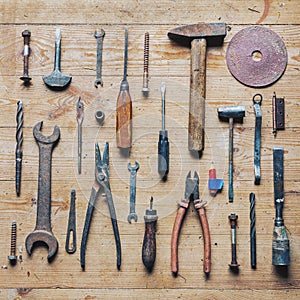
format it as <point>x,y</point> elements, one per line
<point>198,36</point>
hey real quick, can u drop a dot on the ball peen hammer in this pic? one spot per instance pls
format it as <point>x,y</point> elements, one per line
<point>199,37</point>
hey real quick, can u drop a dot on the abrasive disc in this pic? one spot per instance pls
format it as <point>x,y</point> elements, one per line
<point>256,56</point>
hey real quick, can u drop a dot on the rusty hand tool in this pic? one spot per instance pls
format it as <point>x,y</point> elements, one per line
<point>233,222</point>
<point>26,52</point>
<point>124,107</point>
<point>231,113</point>
<point>280,244</point>
<point>13,240</point>
<point>199,36</point>
<point>252,230</point>
<point>101,183</point>
<point>149,243</point>
<point>278,114</point>
<point>42,231</point>
<point>19,150</point>
<point>163,142</point>
<point>257,99</point>
<point>99,37</point>
<point>191,193</point>
<point>56,80</point>
<point>133,170</point>
<point>71,231</point>
<point>80,117</point>
<point>145,88</point>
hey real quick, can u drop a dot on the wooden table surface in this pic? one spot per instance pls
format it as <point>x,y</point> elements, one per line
<point>33,277</point>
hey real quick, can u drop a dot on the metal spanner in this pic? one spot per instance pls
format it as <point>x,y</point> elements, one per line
<point>42,232</point>
<point>99,37</point>
<point>257,99</point>
<point>133,171</point>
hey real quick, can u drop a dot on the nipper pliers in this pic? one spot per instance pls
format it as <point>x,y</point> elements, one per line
<point>101,183</point>
<point>191,194</point>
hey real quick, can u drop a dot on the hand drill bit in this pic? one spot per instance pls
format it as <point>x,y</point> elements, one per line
<point>19,151</point>
<point>252,231</point>
<point>80,116</point>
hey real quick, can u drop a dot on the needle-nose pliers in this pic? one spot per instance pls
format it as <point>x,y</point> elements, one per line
<point>101,183</point>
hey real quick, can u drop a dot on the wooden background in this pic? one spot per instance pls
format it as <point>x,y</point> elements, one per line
<point>34,277</point>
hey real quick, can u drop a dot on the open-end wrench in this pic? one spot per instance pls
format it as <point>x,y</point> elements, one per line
<point>99,37</point>
<point>133,171</point>
<point>257,99</point>
<point>42,232</point>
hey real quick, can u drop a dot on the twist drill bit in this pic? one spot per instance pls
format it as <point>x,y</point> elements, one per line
<point>79,116</point>
<point>19,151</point>
<point>252,231</point>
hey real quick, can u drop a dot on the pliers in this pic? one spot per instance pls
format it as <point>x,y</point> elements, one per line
<point>101,183</point>
<point>191,193</point>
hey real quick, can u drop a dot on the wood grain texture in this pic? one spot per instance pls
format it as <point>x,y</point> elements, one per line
<point>33,277</point>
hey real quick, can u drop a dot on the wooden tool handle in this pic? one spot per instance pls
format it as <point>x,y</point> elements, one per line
<point>149,245</point>
<point>124,119</point>
<point>174,241</point>
<point>206,240</point>
<point>197,95</point>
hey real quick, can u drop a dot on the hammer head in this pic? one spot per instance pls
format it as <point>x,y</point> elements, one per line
<point>231,112</point>
<point>214,33</point>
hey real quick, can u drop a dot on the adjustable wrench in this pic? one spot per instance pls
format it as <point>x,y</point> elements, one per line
<point>133,171</point>
<point>42,232</point>
<point>99,37</point>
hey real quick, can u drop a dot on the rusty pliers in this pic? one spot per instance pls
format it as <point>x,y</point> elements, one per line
<point>101,183</point>
<point>191,193</point>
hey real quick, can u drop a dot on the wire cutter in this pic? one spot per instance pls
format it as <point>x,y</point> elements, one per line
<point>191,193</point>
<point>101,184</point>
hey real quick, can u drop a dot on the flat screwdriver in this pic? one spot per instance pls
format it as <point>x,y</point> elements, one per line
<point>163,143</point>
<point>124,107</point>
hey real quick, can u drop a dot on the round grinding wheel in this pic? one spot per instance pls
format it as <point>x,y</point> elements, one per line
<point>256,56</point>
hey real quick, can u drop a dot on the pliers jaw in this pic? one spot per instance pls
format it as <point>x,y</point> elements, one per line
<point>192,186</point>
<point>101,164</point>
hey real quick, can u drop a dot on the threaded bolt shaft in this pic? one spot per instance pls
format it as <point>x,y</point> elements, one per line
<point>13,243</point>
<point>146,64</point>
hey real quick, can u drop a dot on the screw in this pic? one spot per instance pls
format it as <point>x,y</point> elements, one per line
<point>26,35</point>
<point>12,257</point>
<point>145,89</point>
<point>233,221</point>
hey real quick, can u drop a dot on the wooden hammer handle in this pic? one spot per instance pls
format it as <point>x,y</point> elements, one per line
<point>197,95</point>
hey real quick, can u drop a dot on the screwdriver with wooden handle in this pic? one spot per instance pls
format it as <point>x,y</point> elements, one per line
<point>149,243</point>
<point>163,142</point>
<point>124,107</point>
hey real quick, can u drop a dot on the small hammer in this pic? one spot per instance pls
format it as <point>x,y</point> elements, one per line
<point>198,36</point>
<point>231,112</point>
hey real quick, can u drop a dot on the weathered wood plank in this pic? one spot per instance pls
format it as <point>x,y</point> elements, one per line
<point>140,12</point>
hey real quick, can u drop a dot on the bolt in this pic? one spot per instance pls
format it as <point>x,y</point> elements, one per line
<point>145,89</point>
<point>233,221</point>
<point>12,257</point>
<point>26,35</point>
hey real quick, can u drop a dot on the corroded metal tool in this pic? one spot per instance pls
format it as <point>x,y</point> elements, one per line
<point>280,245</point>
<point>56,80</point>
<point>257,99</point>
<point>99,37</point>
<point>79,117</point>
<point>19,146</point>
<point>231,113</point>
<point>133,171</point>
<point>71,231</point>
<point>199,37</point>
<point>43,232</point>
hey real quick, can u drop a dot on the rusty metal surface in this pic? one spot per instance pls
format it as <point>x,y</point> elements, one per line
<point>263,70</point>
<point>43,232</point>
<point>214,33</point>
